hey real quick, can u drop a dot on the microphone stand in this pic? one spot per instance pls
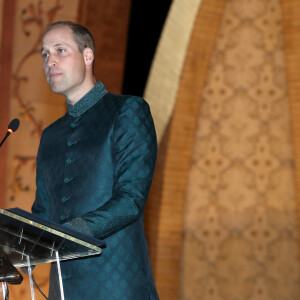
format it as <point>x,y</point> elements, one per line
<point>8,273</point>
<point>6,136</point>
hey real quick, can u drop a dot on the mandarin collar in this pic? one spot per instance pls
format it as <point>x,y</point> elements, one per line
<point>88,100</point>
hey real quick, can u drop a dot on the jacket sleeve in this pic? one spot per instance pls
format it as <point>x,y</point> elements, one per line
<point>134,152</point>
<point>41,205</point>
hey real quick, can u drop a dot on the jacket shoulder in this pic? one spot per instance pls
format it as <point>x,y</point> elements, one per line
<point>123,102</point>
<point>124,98</point>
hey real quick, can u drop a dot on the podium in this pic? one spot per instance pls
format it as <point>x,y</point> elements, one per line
<point>27,240</point>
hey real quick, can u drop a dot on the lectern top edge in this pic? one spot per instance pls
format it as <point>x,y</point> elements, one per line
<point>51,230</point>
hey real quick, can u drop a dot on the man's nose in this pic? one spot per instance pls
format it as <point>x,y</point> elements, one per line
<point>52,61</point>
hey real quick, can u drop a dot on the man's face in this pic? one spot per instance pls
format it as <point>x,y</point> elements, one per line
<point>63,64</point>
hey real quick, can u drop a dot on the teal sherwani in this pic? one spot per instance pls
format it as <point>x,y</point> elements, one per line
<point>94,170</point>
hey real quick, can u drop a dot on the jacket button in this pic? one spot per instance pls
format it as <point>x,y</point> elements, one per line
<point>63,276</point>
<point>64,199</point>
<point>63,217</point>
<point>69,161</point>
<point>71,143</point>
<point>66,179</point>
<point>74,125</point>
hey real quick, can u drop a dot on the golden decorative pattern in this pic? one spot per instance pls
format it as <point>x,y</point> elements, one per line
<point>240,223</point>
<point>34,18</point>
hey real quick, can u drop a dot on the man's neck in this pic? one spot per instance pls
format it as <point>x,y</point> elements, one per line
<point>76,96</point>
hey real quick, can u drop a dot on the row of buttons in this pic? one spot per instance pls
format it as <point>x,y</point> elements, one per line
<point>64,199</point>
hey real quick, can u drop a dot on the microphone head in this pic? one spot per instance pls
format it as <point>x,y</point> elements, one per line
<point>13,125</point>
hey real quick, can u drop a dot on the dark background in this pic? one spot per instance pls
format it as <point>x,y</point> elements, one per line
<point>147,19</point>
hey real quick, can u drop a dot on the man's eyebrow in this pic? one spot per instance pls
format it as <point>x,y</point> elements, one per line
<point>56,45</point>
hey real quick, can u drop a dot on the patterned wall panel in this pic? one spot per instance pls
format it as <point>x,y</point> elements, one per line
<point>240,223</point>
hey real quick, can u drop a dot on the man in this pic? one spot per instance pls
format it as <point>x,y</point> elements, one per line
<point>94,170</point>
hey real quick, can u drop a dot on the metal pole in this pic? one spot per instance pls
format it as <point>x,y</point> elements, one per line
<point>59,276</point>
<point>30,277</point>
<point>4,290</point>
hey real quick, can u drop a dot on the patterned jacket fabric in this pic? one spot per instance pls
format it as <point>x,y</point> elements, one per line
<point>94,171</point>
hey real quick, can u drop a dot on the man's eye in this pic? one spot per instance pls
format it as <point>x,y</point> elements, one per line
<point>45,55</point>
<point>61,50</point>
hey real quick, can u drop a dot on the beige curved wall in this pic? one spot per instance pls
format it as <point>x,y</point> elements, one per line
<point>239,235</point>
<point>241,228</point>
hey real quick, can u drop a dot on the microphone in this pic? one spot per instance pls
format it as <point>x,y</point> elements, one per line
<point>12,127</point>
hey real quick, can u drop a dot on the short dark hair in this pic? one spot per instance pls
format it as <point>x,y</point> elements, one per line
<point>82,36</point>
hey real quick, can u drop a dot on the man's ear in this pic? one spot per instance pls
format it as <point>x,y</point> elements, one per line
<point>88,56</point>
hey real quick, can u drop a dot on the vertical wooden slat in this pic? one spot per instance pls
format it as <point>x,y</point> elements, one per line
<point>291,29</point>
